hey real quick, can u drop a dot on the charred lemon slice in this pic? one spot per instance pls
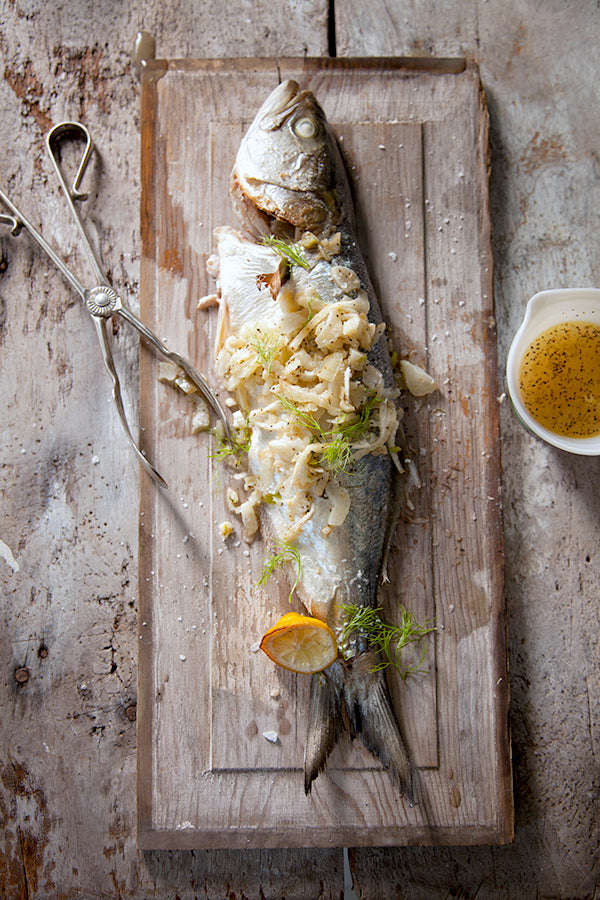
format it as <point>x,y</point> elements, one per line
<point>300,643</point>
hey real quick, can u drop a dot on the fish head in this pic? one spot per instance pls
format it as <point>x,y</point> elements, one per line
<point>288,166</point>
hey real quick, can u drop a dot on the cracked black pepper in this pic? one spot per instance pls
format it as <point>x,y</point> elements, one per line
<point>559,379</point>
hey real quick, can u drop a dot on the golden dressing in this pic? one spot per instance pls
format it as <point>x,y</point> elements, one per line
<point>559,379</point>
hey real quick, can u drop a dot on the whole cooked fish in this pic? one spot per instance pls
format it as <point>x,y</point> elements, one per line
<point>301,345</point>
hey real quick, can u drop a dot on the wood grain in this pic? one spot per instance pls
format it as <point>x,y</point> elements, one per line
<point>415,142</point>
<point>68,483</point>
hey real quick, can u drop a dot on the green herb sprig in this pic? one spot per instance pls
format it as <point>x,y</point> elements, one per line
<point>266,345</point>
<point>300,415</point>
<point>285,553</point>
<point>336,441</point>
<point>388,638</point>
<point>291,252</point>
<point>235,448</point>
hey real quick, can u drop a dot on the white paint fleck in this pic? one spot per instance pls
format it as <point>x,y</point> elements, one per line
<point>7,555</point>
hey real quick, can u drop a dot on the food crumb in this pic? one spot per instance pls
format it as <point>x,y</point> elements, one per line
<point>201,417</point>
<point>225,529</point>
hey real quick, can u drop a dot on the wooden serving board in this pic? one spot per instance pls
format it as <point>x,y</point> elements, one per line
<point>415,141</point>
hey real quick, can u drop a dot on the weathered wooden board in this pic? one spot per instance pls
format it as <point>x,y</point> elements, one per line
<point>415,141</point>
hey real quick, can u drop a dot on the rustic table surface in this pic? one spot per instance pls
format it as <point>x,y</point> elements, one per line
<point>69,512</point>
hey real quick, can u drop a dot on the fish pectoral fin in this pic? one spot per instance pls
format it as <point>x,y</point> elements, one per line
<point>325,724</point>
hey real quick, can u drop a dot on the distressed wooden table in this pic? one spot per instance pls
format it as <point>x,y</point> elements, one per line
<point>69,511</point>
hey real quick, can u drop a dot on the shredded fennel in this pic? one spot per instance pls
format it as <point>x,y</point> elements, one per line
<point>316,403</point>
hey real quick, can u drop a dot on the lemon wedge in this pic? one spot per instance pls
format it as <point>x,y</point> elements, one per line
<point>300,643</point>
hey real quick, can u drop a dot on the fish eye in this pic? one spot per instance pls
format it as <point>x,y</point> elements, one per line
<point>304,127</point>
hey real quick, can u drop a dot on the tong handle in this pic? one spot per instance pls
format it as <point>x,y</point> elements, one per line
<point>78,131</point>
<point>55,137</point>
<point>100,324</point>
<point>101,300</point>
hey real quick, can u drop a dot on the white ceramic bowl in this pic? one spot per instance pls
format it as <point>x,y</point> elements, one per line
<point>544,310</point>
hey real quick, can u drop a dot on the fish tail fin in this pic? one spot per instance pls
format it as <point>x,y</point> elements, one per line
<point>325,723</point>
<point>372,717</point>
<point>355,699</point>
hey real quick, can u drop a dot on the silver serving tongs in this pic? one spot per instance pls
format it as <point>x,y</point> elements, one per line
<point>101,300</point>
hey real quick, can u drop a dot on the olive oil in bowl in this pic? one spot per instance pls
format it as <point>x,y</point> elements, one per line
<point>559,379</point>
<point>553,369</point>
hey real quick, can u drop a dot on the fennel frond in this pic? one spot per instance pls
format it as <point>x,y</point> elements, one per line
<point>336,442</point>
<point>236,448</point>
<point>285,553</point>
<point>266,345</point>
<point>388,638</point>
<point>291,252</point>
